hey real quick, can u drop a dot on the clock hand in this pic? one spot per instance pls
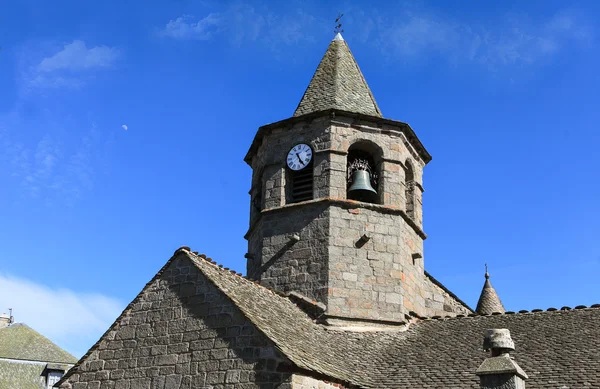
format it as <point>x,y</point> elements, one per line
<point>299,159</point>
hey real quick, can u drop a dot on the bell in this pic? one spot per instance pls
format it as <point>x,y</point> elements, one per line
<point>361,181</point>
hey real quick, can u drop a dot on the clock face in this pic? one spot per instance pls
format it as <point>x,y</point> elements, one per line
<point>299,156</point>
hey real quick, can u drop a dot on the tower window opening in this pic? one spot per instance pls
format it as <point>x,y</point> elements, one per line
<point>409,190</point>
<point>363,176</point>
<point>256,195</point>
<point>257,201</point>
<point>301,184</point>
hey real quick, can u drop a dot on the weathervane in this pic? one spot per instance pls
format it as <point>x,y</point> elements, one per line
<point>338,24</point>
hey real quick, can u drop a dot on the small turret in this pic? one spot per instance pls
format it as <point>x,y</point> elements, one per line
<point>489,302</point>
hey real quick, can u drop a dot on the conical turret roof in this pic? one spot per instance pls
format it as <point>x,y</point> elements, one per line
<point>489,302</point>
<point>338,83</point>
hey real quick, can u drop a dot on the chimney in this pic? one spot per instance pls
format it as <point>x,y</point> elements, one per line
<point>500,371</point>
<point>4,320</point>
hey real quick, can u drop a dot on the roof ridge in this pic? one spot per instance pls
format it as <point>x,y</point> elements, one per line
<point>521,312</point>
<point>233,272</point>
<point>118,319</point>
<point>439,284</point>
<point>362,77</point>
<point>182,249</point>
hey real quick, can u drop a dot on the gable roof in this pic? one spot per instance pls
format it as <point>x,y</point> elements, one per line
<point>338,83</point>
<point>430,353</point>
<point>20,341</point>
<point>439,353</point>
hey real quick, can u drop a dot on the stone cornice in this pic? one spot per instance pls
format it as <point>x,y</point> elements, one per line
<point>344,203</point>
<point>379,121</point>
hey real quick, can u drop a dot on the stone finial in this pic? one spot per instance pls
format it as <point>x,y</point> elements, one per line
<point>500,371</point>
<point>498,341</point>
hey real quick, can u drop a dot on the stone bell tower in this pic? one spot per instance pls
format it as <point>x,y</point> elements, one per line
<point>336,209</point>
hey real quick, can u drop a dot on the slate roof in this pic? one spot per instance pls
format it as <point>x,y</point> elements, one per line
<point>489,301</point>
<point>338,83</point>
<point>25,354</point>
<point>555,348</point>
<point>19,375</point>
<point>19,341</point>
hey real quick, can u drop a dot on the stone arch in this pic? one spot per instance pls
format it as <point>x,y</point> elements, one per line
<point>369,156</point>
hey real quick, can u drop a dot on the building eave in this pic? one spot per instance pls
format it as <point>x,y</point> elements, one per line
<point>405,128</point>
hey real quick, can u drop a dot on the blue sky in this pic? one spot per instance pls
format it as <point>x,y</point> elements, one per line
<point>123,129</point>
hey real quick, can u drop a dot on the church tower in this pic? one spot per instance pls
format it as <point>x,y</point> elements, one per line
<point>336,204</point>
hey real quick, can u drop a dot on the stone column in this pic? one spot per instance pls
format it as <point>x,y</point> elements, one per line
<point>500,371</point>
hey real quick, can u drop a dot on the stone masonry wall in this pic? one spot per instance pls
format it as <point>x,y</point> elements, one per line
<point>378,279</point>
<point>384,278</point>
<point>440,303</point>
<point>285,265</point>
<point>181,333</point>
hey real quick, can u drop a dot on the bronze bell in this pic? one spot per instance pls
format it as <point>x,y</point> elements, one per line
<point>361,181</point>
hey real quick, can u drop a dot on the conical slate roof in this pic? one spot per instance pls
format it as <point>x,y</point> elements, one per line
<point>338,83</point>
<point>489,302</point>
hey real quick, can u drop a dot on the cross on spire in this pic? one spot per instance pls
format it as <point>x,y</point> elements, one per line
<point>338,24</point>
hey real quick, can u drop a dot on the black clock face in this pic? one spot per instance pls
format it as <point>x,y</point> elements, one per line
<point>299,156</point>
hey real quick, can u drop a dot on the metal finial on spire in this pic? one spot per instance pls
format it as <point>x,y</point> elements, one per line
<point>338,24</point>
<point>487,275</point>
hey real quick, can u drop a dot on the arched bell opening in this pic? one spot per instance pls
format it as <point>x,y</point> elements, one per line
<point>363,178</point>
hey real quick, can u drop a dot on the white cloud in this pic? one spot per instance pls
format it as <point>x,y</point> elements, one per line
<point>415,35</point>
<point>405,33</point>
<point>55,82</point>
<point>76,56</point>
<point>240,22</point>
<point>184,28</point>
<point>51,168</point>
<point>124,126</point>
<point>69,67</point>
<point>72,320</point>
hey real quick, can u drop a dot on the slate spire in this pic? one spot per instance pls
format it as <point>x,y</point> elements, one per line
<point>338,83</point>
<point>489,302</point>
